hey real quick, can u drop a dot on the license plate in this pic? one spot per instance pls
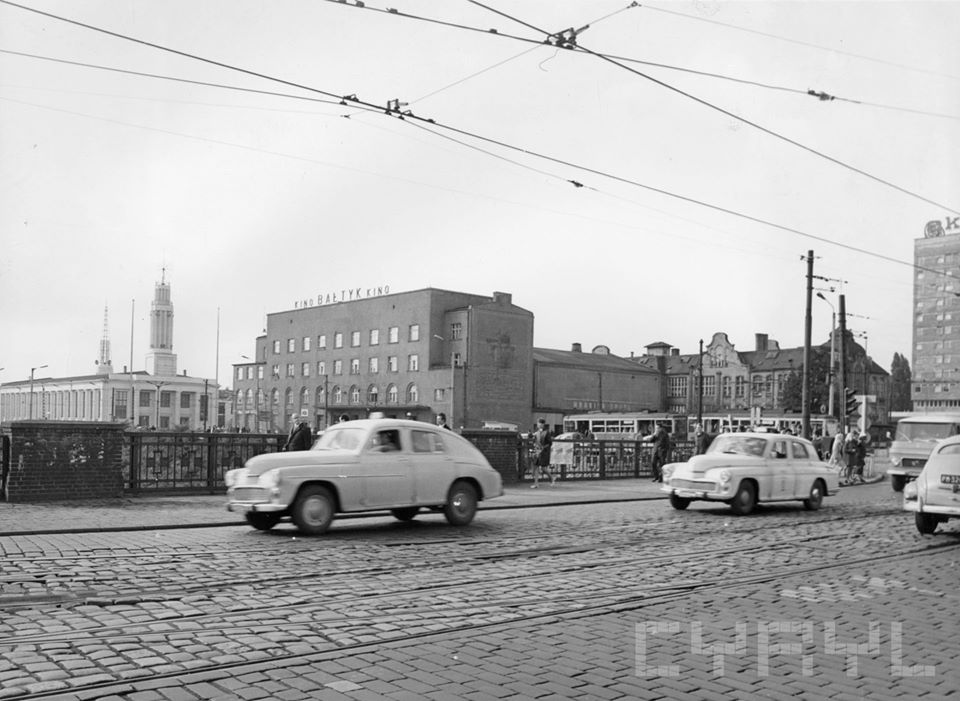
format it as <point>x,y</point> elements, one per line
<point>949,479</point>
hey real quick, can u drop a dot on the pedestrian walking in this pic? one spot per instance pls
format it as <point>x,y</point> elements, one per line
<point>542,443</point>
<point>701,440</point>
<point>661,452</point>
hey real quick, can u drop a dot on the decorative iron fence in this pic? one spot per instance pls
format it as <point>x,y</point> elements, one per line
<point>189,462</point>
<point>597,460</point>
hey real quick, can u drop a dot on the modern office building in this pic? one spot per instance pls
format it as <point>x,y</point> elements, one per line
<point>154,398</point>
<point>935,367</point>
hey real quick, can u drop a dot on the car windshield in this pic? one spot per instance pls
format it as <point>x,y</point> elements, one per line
<point>738,445</point>
<point>340,439</point>
<point>915,431</point>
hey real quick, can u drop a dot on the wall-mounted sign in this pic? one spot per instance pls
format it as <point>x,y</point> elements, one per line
<point>350,295</point>
<point>936,228</point>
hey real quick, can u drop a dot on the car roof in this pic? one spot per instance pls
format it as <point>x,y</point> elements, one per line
<point>385,423</point>
<point>948,441</point>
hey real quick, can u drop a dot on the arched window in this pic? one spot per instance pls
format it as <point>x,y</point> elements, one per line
<point>337,395</point>
<point>320,396</point>
<point>288,401</point>
<point>373,394</point>
<point>305,398</point>
<point>393,396</point>
<point>413,394</point>
<point>354,394</point>
<point>275,399</point>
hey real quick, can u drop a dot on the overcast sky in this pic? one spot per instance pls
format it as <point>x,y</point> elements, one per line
<point>700,190</point>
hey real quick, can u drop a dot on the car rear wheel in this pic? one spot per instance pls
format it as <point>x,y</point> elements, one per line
<point>313,510</point>
<point>679,503</point>
<point>813,502</point>
<point>897,482</point>
<point>926,523</point>
<point>405,514</point>
<point>745,499</point>
<point>262,521</point>
<point>461,504</point>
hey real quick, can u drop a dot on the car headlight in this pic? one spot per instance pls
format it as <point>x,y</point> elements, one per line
<point>724,476</point>
<point>895,461</point>
<point>910,491</point>
<point>668,470</point>
<point>270,478</point>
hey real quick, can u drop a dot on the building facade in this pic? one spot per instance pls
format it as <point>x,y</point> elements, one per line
<point>411,354</point>
<point>935,370</point>
<point>161,399</point>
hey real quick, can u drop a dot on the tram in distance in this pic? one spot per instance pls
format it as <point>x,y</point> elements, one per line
<point>630,426</point>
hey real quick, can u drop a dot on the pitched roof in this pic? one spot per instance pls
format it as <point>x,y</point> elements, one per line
<point>590,361</point>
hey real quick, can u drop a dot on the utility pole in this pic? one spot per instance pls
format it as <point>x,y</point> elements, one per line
<point>700,386</point>
<point>842,364</point>
<point>808,323</point>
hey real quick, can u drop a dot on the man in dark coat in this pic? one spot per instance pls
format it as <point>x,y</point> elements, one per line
<point>661,452</point>
<point>300,437</point>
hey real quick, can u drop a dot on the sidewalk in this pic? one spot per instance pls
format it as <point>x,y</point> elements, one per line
<point>146,512</point>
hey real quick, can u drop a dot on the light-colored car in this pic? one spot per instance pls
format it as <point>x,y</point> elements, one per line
<point>934,497</point>
<point>367,465</point>
<point>742,469</point>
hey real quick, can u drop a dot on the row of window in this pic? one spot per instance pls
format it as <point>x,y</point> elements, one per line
<point>246,401</point>
<point>737,386</point>
<point>373,338</point>
<point>337,367</point>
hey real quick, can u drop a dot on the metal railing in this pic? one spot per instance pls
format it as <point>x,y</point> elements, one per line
<point>597,460</point>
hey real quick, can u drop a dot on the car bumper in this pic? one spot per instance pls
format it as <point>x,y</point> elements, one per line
<point>244,507</point>
<point>694,493</point>
<point>908,472</point>
<point>915,506</point>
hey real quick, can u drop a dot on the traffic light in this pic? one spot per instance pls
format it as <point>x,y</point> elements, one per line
<point>850,403</point>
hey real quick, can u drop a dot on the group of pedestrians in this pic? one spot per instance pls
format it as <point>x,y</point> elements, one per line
<point>847,452</point>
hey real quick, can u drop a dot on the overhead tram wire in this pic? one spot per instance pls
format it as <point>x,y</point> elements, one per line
<point>423,120</point>
<point>737,117</point>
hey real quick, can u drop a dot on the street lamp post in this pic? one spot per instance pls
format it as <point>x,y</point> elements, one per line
<point>158,385</point>
<point>32,370</point>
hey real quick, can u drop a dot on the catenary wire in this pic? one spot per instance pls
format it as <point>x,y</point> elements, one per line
<point>353,99</point>
<point>733,115</point>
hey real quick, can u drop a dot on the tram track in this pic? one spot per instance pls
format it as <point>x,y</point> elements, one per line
<point>463,618</point>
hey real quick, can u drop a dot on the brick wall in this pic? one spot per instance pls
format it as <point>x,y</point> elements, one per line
<point>54,460</point>
<point>500,448</point>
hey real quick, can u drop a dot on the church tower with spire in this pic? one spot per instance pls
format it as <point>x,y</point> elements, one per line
<point>161,360</point>
<point>104,364</point>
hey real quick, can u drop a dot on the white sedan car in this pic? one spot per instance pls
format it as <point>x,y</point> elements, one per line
<point>367,465</point>
<point>742,469</point>
<point>934,497</point>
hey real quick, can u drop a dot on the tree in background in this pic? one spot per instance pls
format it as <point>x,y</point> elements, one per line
<point>791,398</point>
<point>900,384</point>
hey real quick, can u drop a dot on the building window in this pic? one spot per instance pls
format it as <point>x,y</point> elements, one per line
<point>320,397</point>
<point>355,339</point>
<point>287,403</point>
<point>250,372</point>
<point>166,399</point>
<point>413,394</point>
<point>456,331</point>
<point>321,368</point>
<point>373,394</point>
<point>338,340</point>
<point>678,386</point>
<point>305,369</point>
<point>275,372</point>
<point>276,347</point>
<point>337,367</point>
<point>306,343</point>
<point>322,341</point>
<point>726,387</point>
<point>305,398</point>
<point>291,345</point>
<point>439,394</point>
<point>393,334</point>
<point>185,399</point>
<point>392,394</point>
<point>337,395</point>
<point>259,372</point>
<point>355,366</point>
<point>145,395</point>
<point>354,394</point>
<point>374,366</point>
<point>457,360</point>
<point>120,404</point>
<point>291,370</point>
<point>413,362</point>
<point>239,373</point>
<point>709,386</point>
<point>739,386</point>
<point>374,337</point>
<point>414,332</point>
<point>164,422</point>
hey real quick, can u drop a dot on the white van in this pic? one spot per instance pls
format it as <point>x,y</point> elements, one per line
<point>916,437</point>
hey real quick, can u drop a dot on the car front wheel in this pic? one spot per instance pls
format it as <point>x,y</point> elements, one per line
<point>262,521</point>
<point>745,499</point>
<point>313,510</point>
<point>461,504</point>
<point>679,503</point>
<point>813,502</point>
<point>926,523</point>
<point>897,482</point>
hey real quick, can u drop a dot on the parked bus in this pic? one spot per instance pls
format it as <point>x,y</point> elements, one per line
<point>915,437</point>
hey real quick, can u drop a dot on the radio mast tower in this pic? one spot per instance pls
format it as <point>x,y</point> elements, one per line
<point>104,364</point>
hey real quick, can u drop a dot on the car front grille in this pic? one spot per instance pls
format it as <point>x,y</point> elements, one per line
<point>914,462</point>
<point>248,494</point>
<point>691,484</point>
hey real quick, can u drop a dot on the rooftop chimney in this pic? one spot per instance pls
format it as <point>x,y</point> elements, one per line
<point>761,341</point>
<point>577,348</point>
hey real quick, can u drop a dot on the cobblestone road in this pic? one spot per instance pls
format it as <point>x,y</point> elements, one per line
<point>610,600</point>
